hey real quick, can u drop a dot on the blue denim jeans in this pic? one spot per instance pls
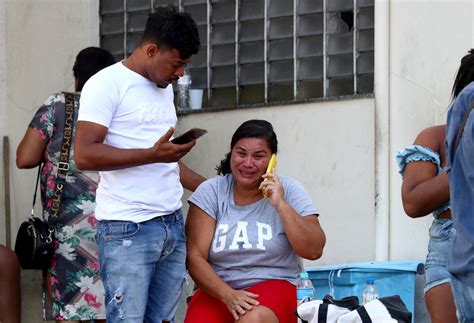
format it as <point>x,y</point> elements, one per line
<point>464,299</point>
<point>142,267</point>
<point>442,234</point>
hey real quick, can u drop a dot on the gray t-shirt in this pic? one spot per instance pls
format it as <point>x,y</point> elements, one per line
<point>249,243</point>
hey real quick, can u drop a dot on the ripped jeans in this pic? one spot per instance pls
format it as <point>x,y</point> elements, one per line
<point>142,267</point>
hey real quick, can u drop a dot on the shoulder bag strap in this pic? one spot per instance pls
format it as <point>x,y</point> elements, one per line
<point>63,165</point>
<point>36,189</point>
<point>349,302</point>
<point>323,313</point>
<point>364,315</point>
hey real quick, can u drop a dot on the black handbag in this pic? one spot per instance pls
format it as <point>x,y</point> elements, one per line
<point>34,244</point>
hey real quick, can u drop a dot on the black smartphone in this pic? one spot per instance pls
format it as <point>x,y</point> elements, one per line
<point>188,136</point>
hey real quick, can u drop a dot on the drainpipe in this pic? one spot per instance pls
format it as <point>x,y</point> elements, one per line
<point>382,128</point>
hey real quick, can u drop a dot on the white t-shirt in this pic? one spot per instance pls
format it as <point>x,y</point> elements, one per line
<point>137,113</point>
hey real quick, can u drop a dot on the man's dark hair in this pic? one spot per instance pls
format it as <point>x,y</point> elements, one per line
<point>250,129</point>
<point>89,61</point>
<point>465,74</point>
<point>169,28</point>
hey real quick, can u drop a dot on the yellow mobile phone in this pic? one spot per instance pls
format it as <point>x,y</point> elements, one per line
<point>271,168</point>
<point>272,164</point>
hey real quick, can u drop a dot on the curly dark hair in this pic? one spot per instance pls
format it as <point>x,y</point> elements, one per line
<point>250,129</point>
<point>465,74</point>
<point>89,61</point>
<point>171,29</point>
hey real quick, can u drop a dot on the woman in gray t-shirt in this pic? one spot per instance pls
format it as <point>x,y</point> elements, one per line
<point>244,250</point>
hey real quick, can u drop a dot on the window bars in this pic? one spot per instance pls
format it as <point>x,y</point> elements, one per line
<point>263,51</point>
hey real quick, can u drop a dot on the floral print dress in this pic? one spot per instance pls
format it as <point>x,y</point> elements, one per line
<point>77,292</point>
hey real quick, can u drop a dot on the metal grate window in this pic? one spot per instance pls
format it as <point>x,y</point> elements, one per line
<point>263,51</point>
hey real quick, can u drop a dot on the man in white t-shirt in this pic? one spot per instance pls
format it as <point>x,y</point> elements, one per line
<point>126,120</point>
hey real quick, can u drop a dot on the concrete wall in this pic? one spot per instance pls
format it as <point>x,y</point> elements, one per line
<point>427,41</point>
<point>3,100</point>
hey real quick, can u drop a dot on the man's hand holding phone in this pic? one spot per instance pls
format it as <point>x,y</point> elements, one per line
<point>165,151</point>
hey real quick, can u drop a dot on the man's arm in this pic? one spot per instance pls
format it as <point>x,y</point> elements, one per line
<point>90,152</point>
<point>189,178</point>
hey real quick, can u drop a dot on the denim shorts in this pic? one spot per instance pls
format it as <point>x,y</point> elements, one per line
<point>442,233</point>
<point>464,299</point>
<point>142,267</point>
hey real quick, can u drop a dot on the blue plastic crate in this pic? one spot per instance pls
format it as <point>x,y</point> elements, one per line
<point>391,278</point>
